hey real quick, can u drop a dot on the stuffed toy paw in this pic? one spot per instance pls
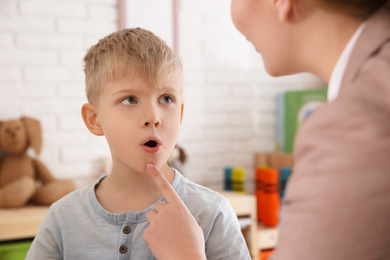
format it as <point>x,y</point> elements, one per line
<point>23,178</point>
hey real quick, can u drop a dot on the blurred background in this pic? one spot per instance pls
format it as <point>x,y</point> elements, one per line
<point>230,101</point>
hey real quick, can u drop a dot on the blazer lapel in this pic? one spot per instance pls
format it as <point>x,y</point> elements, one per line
<point>375,34</point>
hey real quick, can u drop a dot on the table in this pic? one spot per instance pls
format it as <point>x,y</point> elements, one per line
<point>21,223</point>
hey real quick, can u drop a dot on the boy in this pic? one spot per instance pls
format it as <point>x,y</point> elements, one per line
<point>134,90</point>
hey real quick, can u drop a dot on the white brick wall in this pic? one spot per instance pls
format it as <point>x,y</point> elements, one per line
<point>229,99</point>
<point>42,43</point>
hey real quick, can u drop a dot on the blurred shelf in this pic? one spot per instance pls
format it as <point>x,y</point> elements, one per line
<point>266,236</point>
<point>21,223</point>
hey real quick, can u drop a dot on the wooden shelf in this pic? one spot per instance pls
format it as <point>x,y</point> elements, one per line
<point>21,223</point>
<point>266,236</point>
<point>261,237</point>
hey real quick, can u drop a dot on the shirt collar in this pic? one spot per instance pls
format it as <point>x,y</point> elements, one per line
<point>131,216</point>
<point>339,69</point>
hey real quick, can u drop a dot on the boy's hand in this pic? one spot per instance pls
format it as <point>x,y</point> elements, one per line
<point>173,232</point>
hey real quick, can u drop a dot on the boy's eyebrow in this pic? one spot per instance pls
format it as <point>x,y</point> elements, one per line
<point>124,91</point>
<point>127,90</point>
<point>170,89</point>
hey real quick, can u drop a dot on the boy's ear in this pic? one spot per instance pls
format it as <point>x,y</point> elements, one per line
<point>182,109</point>
<point>284,9</point>
<point>91,120</point>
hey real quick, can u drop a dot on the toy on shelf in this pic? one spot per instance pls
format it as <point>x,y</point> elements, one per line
<point>234,179</point>
<point>282,162</point>
<point>228,179</point>
<point>272,171</point>
<point>238,179</point>
<point>267,195</point>
<point>284,175</point>
<point>258,192</point>
<point>20,173</point>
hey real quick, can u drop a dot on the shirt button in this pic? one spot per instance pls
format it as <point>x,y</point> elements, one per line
<point>122,249</point>
<point>126,230</point>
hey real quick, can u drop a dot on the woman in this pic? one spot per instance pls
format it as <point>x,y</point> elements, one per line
<point>337,202</point>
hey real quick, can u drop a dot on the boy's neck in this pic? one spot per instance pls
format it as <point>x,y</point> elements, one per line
<point>123,192</point>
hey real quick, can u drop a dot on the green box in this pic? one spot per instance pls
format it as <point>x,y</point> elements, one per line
<point>293,108</point>
<point>14,250</point>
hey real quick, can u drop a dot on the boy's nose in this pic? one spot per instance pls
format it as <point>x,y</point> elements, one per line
<point>156,123</point>
<point>151,117</point>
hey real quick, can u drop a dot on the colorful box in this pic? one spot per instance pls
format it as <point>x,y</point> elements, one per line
<point>293,108</point>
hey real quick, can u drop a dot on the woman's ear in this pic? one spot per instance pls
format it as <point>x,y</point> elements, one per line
<point>91,120</point>
<point>284,9</point>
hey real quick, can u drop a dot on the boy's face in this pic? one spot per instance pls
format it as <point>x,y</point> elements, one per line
<point>141,122</point>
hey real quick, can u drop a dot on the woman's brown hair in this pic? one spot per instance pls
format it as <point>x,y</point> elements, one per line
<point>358,8</point>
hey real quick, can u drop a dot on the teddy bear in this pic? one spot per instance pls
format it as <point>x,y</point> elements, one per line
<point>24,179</point>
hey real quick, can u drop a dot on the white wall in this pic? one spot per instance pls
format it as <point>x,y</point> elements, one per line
<point>42,43</point>
<point>229,99</point>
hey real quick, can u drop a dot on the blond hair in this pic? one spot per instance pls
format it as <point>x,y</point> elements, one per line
<point>128,50</point>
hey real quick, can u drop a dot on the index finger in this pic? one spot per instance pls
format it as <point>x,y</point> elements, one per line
<point>163,185</point>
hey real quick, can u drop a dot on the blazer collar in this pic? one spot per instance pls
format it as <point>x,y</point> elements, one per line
<point>374,35</point>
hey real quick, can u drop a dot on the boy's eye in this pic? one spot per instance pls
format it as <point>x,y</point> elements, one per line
<point>167,99</point>
<point>129,100</point>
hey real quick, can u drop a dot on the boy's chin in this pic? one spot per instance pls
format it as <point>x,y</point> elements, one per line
<point>160,165</point>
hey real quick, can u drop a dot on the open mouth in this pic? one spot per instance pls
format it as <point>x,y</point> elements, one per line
<point>151,143</point>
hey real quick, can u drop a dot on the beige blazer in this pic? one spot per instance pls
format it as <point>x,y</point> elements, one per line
<point>337,204</point>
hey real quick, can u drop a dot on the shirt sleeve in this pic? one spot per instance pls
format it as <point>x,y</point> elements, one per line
<point>226,240</point>
<point>46,244</point>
